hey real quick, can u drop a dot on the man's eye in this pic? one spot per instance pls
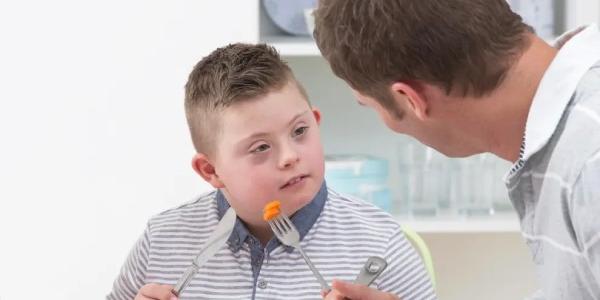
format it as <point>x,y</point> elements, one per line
<point>300,130</point>
<point>261,148</point>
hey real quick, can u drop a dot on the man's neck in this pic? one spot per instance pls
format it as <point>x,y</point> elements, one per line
<point>508,107</point>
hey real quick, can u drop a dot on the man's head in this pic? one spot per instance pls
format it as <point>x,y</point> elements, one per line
<point>255,132</point>
<point>401,53</point>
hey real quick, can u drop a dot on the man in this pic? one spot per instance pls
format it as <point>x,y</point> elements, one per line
<point>467,77</point>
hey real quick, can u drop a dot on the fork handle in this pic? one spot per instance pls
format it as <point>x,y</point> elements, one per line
<point>324,286</point>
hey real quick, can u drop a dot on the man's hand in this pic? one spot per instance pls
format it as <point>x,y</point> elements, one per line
<point>343,291</point>
<point>154,291</point>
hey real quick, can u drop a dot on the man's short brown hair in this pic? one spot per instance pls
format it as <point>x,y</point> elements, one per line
<point>462,45</point>
<point>229,75</point>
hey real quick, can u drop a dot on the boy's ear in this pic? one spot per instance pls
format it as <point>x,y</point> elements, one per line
<point>410,94</point>
<point>206,170</point>
<point>317,114</point>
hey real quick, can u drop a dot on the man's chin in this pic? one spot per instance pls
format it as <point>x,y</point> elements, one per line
<point>456,152</point>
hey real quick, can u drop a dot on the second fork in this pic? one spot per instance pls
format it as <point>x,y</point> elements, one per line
<point>287,234</point>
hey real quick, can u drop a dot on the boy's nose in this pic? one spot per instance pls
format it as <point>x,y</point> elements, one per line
<point>289,157</point>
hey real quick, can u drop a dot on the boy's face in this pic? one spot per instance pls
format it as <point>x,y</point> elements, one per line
<point>268,149</point>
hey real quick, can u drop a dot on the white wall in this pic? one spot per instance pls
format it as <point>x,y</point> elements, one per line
<point>582,12</point>
<point>482,266</point>
<point>93,138</point>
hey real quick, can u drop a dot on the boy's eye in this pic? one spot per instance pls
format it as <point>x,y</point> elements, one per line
<point>300,130</point>
<point>261,148</point>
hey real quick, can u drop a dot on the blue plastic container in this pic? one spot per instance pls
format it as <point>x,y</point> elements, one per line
<point>362,176</point>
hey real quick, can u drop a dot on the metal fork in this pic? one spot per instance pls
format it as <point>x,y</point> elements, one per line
<point>287,233</point>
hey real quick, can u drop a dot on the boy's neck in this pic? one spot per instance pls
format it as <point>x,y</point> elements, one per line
<point>261,230</point>
<point>303,219</point>
<point>262,233</point>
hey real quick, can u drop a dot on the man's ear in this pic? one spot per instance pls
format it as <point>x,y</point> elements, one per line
<point>409,93</point>
<point>317,114</point>
<point>206,170</point>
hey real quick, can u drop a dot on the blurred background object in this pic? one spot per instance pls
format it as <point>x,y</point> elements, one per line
<point>291,15</point>
<point>362,176</point>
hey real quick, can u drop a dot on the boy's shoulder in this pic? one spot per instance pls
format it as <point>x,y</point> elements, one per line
<point>345,209</point>
<point>199,212</point>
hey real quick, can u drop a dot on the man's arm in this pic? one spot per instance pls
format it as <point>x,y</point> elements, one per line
<point>585,203</point>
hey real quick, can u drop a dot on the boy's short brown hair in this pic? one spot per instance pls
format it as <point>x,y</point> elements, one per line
<point>463,45</point>
<point>229,75</point>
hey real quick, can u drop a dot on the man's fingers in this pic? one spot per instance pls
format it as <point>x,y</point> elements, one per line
<point>360,292</point>
<point>324,293</point>
<point>352,291</point>
<point>333,295</point>
<point>157,291</point>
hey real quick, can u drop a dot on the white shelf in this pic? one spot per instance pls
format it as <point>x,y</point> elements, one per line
<point>501,223</point>
<point>305,46</point>
<point>293,46</point>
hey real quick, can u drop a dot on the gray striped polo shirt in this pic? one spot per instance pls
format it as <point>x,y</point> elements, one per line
<point>338,234</point>
<point>555,185</point>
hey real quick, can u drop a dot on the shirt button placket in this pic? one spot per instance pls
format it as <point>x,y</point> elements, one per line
<point>262,284</point>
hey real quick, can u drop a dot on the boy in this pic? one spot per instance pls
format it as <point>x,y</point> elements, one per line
<point>257,140</point>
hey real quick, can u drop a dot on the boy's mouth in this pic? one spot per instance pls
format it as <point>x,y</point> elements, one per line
<point>293,181</point>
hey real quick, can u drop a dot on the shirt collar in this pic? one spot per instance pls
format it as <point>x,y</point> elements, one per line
<point>303,219</point>
<point>557,87</point>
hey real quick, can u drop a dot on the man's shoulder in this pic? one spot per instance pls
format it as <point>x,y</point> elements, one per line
<point>576,140</point>
<point>582,119</point>
<point>588,88</point>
